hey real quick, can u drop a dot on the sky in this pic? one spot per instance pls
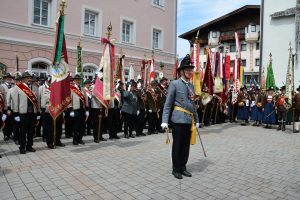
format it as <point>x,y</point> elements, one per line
<point>194,13</point>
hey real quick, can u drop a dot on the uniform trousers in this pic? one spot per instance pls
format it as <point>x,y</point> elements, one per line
<point>79,125</point>
<point>27,126</point>
<point>129,123</point>
<point>140,122</point>
<point>68,124</point>
<point>153,122</point>
<point>8,128</point>
<point>181,146</point>
<point>281,112</point>
<point>113,121</point>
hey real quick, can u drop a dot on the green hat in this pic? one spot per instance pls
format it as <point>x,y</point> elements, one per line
<point>26,74</point>
<point>76,76</point>
<point>154,82</point>
<point>7,75</point>
<point>87,81</point>
<point>271,88</point>
<point>185,63</point>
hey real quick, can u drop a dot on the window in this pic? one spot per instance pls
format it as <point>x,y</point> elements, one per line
<point>232,48</point>
<point>158,2</point>
<point>243,62</point>
<point>127,31</point>
<point>253,28</point>
<point>243,47</point>
<point>257,62</point>
<point>126,74</point>
<point>40,69</point>
<point>156,39</point>
<point>214,34</point>
<point>257,46</point>
<point>90,23</point>
<point>41,12</point>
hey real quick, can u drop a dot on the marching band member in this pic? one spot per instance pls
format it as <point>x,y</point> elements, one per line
<point>88,93</point>
<point>153,105</point>
<point>243,103</point>
<point>162,86</point>
<point>26,107</point>
<point>141,95</point>
<point>47,121</point>
<point>281,109</point>
<point>130,109</point>
<point>269,117</point>
<point>296,104</point>
<point>181,96</point>
<point>7,115</point>
<point>79,110</point>
<point>256,106</point>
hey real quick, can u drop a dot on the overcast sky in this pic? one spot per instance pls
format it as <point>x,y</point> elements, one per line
<point>193,13</point>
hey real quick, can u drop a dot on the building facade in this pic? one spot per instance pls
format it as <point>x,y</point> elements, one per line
<point>280,26</point>
<point>27,28</point>
<point>219,35</point>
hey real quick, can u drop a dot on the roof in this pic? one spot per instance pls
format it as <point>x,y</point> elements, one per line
<point>245,10</point>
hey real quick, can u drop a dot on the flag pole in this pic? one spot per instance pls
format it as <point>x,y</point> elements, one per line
<point>293,85</point>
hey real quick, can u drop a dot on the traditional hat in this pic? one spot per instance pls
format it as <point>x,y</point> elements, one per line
<point>163,79</point>
<point>133,83</point>
<point>154,82</point>
<point>271,88</point>
<point>7,75</point>
<point>185,63</point>
<point>76,76</point>
<point>18,76</point>
<point>26,74</point>
<point>283,88</point>
<point>87,81</point>
<point>140,81</point>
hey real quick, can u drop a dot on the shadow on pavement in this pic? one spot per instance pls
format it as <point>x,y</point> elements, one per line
<point>199,166</point>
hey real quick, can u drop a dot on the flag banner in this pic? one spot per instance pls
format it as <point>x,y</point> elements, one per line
<point>152,70</point>
<point>144,62</point>
<point>197,83</point>
<point>131,73</point>
<point>195,56</point>
<point>120,69</point>
<point>208,78</point>
<point>60,96</point>
<point>237,44</point>
<point>242,78</point>
<point>289,83</point>
<point>270,81</point>
<point>227,67</point>
<point>221,72</point>
<point>216,64</point>
<point>79,69</point>
<point>175,68</point>
<point>108,69</point>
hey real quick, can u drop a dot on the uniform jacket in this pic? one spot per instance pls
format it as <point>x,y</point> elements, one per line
<point>130,103</point>
<point>75,105</point>
<point>20,101</point>
<point>297,101</point>
<point>141,103</point>
<point>179,95</point>
<point>153,100</point>
<point>45,97</point>
<point>4,88</point>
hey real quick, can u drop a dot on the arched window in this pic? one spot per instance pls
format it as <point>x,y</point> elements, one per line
<point>40,69</point>
<point>89,72</point>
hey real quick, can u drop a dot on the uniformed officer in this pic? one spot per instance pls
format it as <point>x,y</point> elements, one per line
<point>7,115</point>
<point>256,106</point>
<point>244,104</point>
<point>47,122</point>
<point>163,88</point>
<point>141,95</point>
<point>88,93</point>
<point>153,105</point>
<point>25,111</point>
<point>281,109</point>
<point>35,85</point>
<point>296,105</point>
<point>130,109</point>
<point>79,109</point>
<point>181,96</point>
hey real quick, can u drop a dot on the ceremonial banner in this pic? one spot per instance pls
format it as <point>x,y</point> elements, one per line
<point>196,83</point>
<point>175,68</point>
<point>109,66</point>
<point>98,86</point>
<point>289,82</point>
<point>270,81</point>
<point>131,73</point>
<point>79,69</point>
<point>120,71</point>
<point>208,79</point>
<point>227,67</point>
<point>152,70</point>
<point>60,96</point>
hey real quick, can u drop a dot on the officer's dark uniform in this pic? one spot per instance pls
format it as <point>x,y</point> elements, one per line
<point>281,109</point>
<point>153,105</point>
<point>141,95</point>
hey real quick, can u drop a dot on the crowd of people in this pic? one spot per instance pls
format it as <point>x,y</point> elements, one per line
<point>24,100</point>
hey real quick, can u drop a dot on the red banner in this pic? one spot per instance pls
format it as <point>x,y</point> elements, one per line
<point>227,67</point>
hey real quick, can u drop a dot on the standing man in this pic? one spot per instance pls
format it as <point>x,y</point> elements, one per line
<point>88,93</point>
<point>296,104</point>
<point>26,107</point>
<point>181,96</point>
<point>243,103</point>
<point>163,88</point>
<point>281,109</point>
<point>141,95</point>
<point>153,99</point>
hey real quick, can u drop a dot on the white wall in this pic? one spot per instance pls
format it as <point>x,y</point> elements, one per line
<point>277,33</point>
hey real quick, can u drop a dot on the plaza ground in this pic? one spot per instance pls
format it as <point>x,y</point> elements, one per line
<point>242,163</point>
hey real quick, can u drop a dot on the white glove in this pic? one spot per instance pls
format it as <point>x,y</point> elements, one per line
<point>197,125</point>
<point>72,114</point>
<point>38,117</point>
<point>117,86</point>
<point>164,125</point>
<point>87,113</point>
<point>4,116</point>
<point>137,113</point>
<point>17,119</point>
<point>129,87</point>
<point>150,111</point>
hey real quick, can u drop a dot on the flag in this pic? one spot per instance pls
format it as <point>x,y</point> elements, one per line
<point>60,96</point>
<point>152,70</point>
<point>270,81</point>
<point>242,75</point>
<point>289,82</point>
<point>175,68</point>
<point>79,62</point>
<point>109,66</point>
<point>98,86</point>
<point>208,79</point>
<point>195,56</point>
<point>119,70</point>
<point>227,67</point>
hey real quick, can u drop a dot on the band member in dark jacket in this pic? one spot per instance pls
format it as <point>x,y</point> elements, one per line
<point>243,103</point>
<point>256,106</point>
<point>180,97</point>
<point>141,95</point>
<point>269,117</point>
<point>296,105</point>
<point>281,109</point>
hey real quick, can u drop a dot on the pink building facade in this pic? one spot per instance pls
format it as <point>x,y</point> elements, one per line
<point>27,28</point>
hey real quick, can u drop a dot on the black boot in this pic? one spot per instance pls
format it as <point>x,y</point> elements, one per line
<point>279,127</point>
<point>283,126</point>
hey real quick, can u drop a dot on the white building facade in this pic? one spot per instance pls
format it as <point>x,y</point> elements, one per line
<point>280,27</point>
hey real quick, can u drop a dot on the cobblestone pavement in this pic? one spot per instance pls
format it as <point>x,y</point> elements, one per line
<point>242,163</point>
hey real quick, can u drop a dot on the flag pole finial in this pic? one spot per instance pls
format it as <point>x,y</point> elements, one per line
<point>270,55</point>
<point>152,54</point>
<point>290,49</point>
<point>63,5</point>
<point>109,29</point>
<point>79,42</point>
